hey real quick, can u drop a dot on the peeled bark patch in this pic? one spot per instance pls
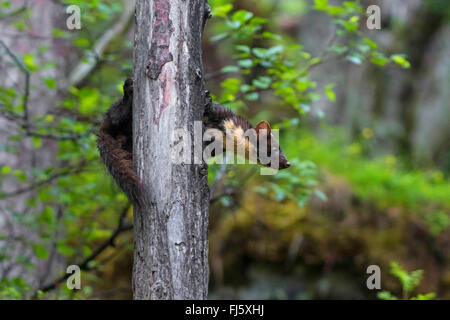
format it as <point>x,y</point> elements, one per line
<point>162,31</point>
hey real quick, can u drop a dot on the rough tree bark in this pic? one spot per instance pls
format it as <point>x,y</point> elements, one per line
<point>171,232</point>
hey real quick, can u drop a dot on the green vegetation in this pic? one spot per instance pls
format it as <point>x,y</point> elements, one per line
<point>345,203</point>
<point>381,180</point>
<point>409,282</point>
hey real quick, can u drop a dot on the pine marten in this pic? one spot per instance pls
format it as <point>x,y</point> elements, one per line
<point>115,139</point>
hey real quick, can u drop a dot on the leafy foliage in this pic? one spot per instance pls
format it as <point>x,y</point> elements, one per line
<point>75,205</point>
<point>409,282</point>
<point>283,65</point>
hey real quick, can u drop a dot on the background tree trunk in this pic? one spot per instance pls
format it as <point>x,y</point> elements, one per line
<point>44,17</point>
<point>171,233</point>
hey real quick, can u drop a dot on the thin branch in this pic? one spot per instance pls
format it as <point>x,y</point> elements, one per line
<point>25,125</point>
<point>241,95</point>
<point>110,242</point>
<point>13,13</point>
<point>26,72</point>
<point>217,179</point>
<point>325,55</point>
<point>82,70</point>
<point>228,192</point>
<point>71,137</point>
<point>41,183</point>
<point>216,74</point>
<point>30,132</point>
<point>27,34</point>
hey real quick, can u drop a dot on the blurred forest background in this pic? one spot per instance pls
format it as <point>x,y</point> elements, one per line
<point>363,116</point>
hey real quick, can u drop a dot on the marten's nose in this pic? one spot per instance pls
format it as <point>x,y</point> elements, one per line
<point>288,164</point>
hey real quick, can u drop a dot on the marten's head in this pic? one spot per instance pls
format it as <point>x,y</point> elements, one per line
<point>128,89</point>
<point>264,133</point>
<point>120,113</point>
<point>257,143</point>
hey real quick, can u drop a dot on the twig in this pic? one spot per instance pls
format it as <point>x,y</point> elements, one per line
<point>84,265</point>
<point>38,184</point>
<point>323,57</point>
<point>218,177</point>
<point>227,192</point>
<point>216,74</point>
<point>13,13</point>
<point>72,137</point>
<point>26,72</point>
<point>84,68</point>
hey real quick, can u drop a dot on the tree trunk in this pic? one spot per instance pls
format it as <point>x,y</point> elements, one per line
<point>171,232</point>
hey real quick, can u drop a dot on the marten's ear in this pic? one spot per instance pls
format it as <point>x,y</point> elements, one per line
<point>128,88</point>
<point>263,125</point>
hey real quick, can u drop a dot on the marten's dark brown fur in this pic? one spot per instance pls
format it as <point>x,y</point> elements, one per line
<point>115,139</point>
<point>115,144</point>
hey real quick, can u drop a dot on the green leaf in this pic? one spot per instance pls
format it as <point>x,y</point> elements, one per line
<point>50,82</point>
<point>6,170</point>
<point>82,42</point>
<point>245,88</point>
<point>409,280</point>
<point>29,62</point>
<point>99,234</point>
<point>49,118</point>
<point>20,175</point>
<point>245,63</point>
<point>262,82</point>
<point>304,107</point>
<point>274,50</point>
<point>243,48</point>
<point>88,100</point>
<point>371,43</point>
<point>314,96</point>
<point>37,142</point>
<point>65,249</point>
<point>15,138</point>
<point>87,251</point>
<point>338,49</point>
<point>319,194</point>
<point>242,16</point>
<point>321,5</point>
<point>352,24</point>
<point>229,69</point>
<point>233,24</point>
<point>40,251</point>
<point>252,96</point>
<point>271,35</point>
<point>221,11</point>
<point>335,10</point>
<point>19,25</point>
<point>379,59</point>
<point>219,37</point>
<point>58,33</point>
<point>47,215</point>
<point>232,84</point>
<point>386,295</point>
<point>260,52</point>
<point>355,58</point>
<point>330,93</point>
<point>401,60</point>
<point>427,296</point>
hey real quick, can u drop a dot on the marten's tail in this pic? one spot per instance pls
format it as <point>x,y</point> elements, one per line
<point>120,165</point>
